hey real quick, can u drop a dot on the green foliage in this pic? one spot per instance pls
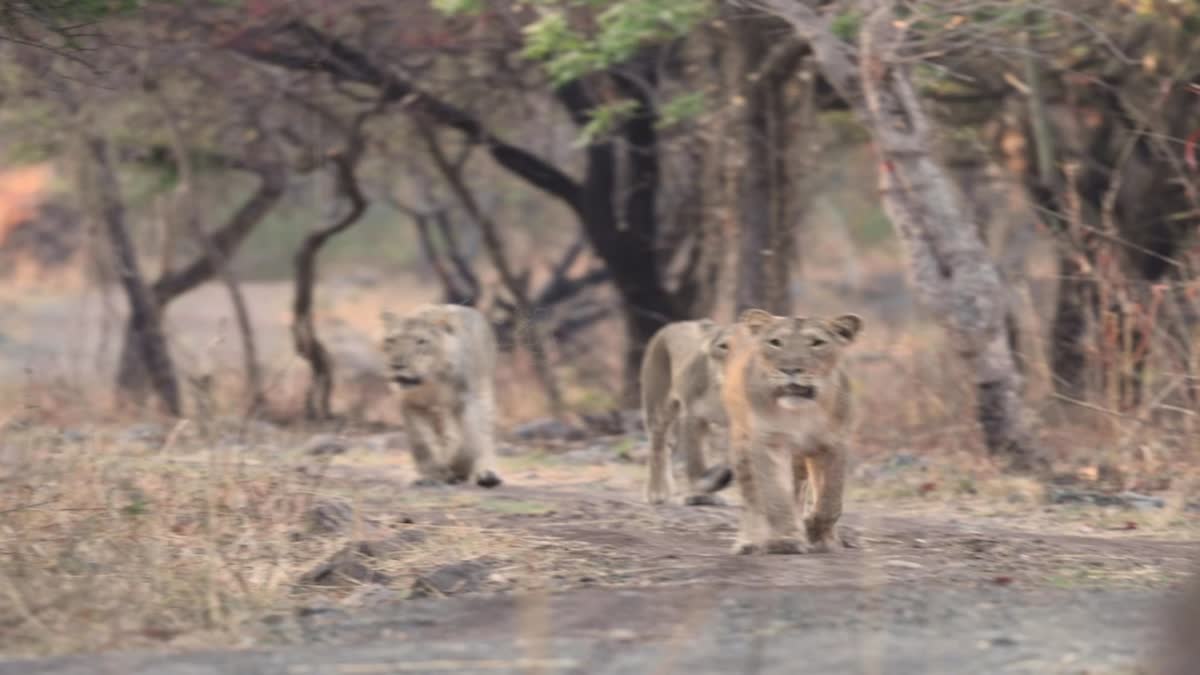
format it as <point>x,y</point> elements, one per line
<point>576,37</point>
<point>452,7</point>
<point>619,29</point>
<point>605,118</point>
<point>846,25</point>
<point>681,108</point>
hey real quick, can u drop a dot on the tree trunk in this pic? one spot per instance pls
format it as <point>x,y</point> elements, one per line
<point>221,246</point>
<point>147,359</point>
<point>191,216</point>
<point>766,248</point>
<point>954,275</point>
<point>319,394</point>
<point>527,325</point>
<point>620,217</point>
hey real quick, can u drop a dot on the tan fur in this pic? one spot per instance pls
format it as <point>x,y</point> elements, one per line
<point>789,404</point>
<point>680,379</point>
<point>442,360</point>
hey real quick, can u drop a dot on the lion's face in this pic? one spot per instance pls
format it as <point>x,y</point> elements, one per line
<point>716,346</point>
<point>797,356</point>
<point>415,349</point>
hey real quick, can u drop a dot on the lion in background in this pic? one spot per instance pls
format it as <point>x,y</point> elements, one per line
<point>442,360</point>
<point>681,389</point>
<point>789,404</point>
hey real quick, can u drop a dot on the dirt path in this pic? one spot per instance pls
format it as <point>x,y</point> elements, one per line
<point>564,570</point>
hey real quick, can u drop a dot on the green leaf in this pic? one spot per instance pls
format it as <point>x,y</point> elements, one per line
<point>681,108</point>
<point>605,118</point>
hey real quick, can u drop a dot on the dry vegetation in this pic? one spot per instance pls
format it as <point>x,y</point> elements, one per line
<point>121,529</point>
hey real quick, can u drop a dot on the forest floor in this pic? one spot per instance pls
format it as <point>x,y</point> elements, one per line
<point>564,569</point>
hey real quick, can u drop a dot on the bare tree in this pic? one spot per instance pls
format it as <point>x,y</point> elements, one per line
<point>615,200</point>
<point>149,356</point>
<point>954,274</point>
<point>185,195</point>
<point>517,287</point>
<point>344,163</point>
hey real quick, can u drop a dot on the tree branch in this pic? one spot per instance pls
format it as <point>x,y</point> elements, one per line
<point>326,54</point>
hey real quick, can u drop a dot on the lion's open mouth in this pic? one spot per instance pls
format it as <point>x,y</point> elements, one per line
<point>406,380</point>
<point>797,391</point>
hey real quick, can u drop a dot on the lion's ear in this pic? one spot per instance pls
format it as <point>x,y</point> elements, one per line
<point>847,326</point>
<point>445,324</point>
<point>389,319</point>
<point>756,319</point>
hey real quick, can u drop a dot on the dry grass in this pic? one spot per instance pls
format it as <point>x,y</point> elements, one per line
<point>188,535</point>
<point>112,541</point>
<point>122,537</point>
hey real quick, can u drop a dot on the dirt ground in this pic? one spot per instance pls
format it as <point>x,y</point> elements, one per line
<point>565,570</point>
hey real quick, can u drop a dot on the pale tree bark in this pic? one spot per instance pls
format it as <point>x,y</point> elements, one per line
<point>953,272</point>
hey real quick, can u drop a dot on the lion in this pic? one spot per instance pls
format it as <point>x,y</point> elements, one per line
<point>789,404</point>
<point>681,389</point>
<point>442,360</point>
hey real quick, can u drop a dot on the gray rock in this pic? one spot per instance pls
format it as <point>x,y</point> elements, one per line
<point>1129,500</point>
<point>548,430</point>
<point>328,517</point>
<point>325,445</point>
<point>355,564</point>
<point>461,577</point>
<point>150,434</point>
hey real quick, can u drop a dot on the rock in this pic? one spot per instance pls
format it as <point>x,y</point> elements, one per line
<point>903,460</point>
<point>548,430</point>
<point>460,577</point>
<point>592,454</point>
<point>329,517</point>
<point>73,436</point>
<point>150,434</point>
<point>903,564</point>
<point>372,596</point>
<point>1127,500</point>
<point>611,423</point>
<point>324,445</point>
<point>354,564</point>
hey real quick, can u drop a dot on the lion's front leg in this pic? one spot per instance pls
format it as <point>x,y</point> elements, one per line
<point>800,484</point>
<point>752,527</point>
<point>427,448</point>
<point>828,472</point>
<point>476,457</point>
<point>772,465</point>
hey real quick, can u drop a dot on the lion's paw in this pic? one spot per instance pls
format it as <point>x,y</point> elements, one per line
<point>785,546</point>
<point>746,548</point>
<point>488,479</point>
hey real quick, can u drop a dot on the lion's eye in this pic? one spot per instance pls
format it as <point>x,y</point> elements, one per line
<point>817,342</point>
<point>421,342</point>
<point>723,346</point>
<point>775,342</point>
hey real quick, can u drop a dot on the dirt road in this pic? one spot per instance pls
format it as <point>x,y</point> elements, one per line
<point>570,572</point>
